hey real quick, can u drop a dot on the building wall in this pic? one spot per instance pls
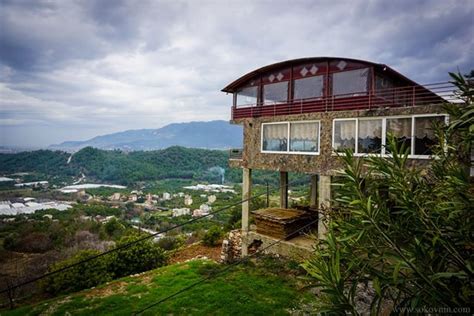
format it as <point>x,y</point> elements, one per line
<point>326,162</point>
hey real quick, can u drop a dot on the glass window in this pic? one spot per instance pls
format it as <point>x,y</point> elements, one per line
<point>275,137</point>
<point>304,137</point>
<point>350,83</point>
<point>400,128</point>
<point>370,136</point>
<point>344,135</point>
<point>247,97</point>
<point>425,135</point>
<point>311,87</point>
<point>275,93</point>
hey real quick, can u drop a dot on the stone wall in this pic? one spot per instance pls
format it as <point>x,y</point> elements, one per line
<point>232,247</point>
<point>326,162</point>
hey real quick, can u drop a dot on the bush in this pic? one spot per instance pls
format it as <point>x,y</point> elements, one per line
<point>142,256</point>
<point>212,236</point>
<point>114,228</point>
<point>404,231</point>
<point>170,242</point>
<point>9,243</point>
<point>80,277</point>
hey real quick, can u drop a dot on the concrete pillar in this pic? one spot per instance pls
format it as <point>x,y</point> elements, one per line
<point>246,195</point>
<point>283,189</point>
<point>313,199</point>
<point>324,203</point>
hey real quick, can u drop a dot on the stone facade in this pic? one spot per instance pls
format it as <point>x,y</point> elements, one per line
<point>326,163</point>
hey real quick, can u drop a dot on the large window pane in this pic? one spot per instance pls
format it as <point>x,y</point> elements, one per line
<point>247,97</point>
<point>350,83</point>
<point>311,87</point>
<point>275,93</point>
<point>275,137</point>
<point>400,128</point>
<point>370,136</point>
<point>425,136</point>
<point>304,137</point>
<point>344,135</point>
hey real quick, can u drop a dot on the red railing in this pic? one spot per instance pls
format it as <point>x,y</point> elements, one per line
<point>435,93</point>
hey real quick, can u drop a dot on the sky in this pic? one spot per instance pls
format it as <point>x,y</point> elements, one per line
<point>72,70</point>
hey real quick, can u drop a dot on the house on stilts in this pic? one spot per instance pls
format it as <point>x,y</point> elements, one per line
<point>297,114</point>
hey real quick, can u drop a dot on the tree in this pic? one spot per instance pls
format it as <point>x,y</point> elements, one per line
<point>403,231</point>
<point>212,236</point>
<point>141,256</point>
<point>114,228</point>
<point>79,277</point>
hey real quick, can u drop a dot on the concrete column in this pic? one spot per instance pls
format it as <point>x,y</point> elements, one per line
<point>283,189</point>
<point>324,203</point>
<point>313,199</point>
<point>246,194</point>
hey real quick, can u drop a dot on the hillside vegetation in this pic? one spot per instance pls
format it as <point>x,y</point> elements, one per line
<point>263,290</point>
<point>120,167</point>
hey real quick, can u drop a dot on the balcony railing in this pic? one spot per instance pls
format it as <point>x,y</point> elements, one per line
<point>235,153</point>
<point>409,96</point>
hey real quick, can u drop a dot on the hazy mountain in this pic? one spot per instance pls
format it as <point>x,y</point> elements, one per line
<point>210,135</point>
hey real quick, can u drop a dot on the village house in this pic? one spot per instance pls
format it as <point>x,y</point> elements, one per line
<point>188,200</point>
<point>180,212</point>
<point>211,199</point>
<point>205,208</point>
<point>298,114</point>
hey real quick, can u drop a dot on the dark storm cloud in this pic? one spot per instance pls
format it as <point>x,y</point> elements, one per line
<point>75,69</point>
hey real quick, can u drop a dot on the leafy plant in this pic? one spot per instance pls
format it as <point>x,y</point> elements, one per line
<point>141,256</point>
<point>80,277</point>
<point>402,231</point>
<point>212,236</point>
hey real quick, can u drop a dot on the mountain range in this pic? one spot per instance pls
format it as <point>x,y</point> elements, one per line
<point>210,135</point>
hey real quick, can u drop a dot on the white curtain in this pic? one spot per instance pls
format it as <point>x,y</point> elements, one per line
<point>306,131</point>
<point>346,129</point>
<point>370,128</point>
<point>275,131</point>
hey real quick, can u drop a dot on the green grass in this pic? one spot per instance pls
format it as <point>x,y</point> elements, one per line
<point>243,290</point>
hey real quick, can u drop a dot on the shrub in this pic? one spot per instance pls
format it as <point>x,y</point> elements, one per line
<point>170,242</point>
<point>10,241</point>
<point>79,277</point>
<point>212,236</point>
<point>142,256</point>
<point>114,228</point>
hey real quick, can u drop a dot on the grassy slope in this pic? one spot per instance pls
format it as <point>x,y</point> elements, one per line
<point>244,290</point>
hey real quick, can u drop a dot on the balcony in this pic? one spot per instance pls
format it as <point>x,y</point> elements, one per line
<point>408,96</point>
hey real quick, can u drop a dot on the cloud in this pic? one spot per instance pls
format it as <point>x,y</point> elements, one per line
<point>81,68</point>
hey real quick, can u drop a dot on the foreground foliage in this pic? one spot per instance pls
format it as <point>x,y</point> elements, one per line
<point>403,232</point>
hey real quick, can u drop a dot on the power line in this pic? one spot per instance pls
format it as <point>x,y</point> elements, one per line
<point>259,251</point>
<point>8,289</point>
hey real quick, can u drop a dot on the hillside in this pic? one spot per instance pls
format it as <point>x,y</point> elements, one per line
<point>209,135</point>
<point>120,167</point>
<point>271,288</point>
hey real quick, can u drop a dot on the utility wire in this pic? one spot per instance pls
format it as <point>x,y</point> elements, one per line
<point>11,288</point>
<point>259,251</point>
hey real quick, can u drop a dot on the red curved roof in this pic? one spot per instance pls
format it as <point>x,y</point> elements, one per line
<point>235,85</point>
